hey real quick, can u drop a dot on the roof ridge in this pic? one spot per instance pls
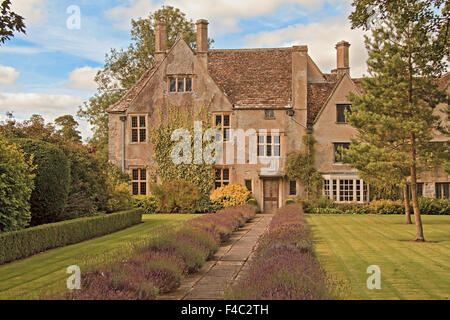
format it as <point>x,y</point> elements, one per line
<point>250,49</point>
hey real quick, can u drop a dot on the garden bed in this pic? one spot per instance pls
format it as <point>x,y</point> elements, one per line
<point>157,265</point>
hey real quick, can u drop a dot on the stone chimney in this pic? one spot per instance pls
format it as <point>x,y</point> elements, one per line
<point>202,35</point>
<point>343,60</point>
<point>160,40</point>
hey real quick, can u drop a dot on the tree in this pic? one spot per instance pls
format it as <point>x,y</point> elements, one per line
<point>407,53</point>
<point>52,180</point>
<point>123,68</point>
<point>16,185</point>
<point>385,171</point>
<point>68,129</point>
<point>10,22</point>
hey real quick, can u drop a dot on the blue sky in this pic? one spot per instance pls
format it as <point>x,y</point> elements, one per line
<point>50,70</point>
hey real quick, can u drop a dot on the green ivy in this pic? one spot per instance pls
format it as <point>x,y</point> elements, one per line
<point>170,119</point>
<point>300,166</point>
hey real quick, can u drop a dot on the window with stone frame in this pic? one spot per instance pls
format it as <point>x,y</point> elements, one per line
<point>180,84</point>
<point>442,190</point>
<point>269,145</point>
<point>292,188</point>
<point>223,122</point>
<point>222,177</point>
<point>338,150</point>
<point>139,181</point>
<point>346,190</point>
<point>419,190</point>
<point>248,185</point>
<point>340,112</point>
<point>138,128</point>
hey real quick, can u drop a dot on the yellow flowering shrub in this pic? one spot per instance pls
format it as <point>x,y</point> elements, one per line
<point>230,195</point>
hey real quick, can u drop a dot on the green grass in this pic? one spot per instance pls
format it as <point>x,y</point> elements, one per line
<point>25,279</point>
<point>347,244</point>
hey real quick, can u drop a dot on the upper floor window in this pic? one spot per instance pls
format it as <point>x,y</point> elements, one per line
<point>138,129</point>
<point>269,145</point>
<point>340,111</point>
<point>339,148</point>
<point>139,182</point>
<point>223,121</point>
<point>269,114</point>
<point>180,84</point>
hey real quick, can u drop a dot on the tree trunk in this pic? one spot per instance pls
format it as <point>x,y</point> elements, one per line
<point>419,228</point>
<point>407,206</point>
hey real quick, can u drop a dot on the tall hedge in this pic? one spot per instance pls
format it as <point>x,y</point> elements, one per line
<point>24,243</point>
<point>52,181</point>
<point>16,185</point>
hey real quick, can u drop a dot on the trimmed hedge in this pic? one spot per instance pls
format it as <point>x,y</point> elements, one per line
<point>24,243</point>
<point>427,206</point>
<point>52,181</point>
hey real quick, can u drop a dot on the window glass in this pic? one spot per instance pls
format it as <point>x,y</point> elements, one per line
<point>180,84</point>
<point>341,108</point>
<point>172,85</point>
<point>292,188</point>
<point>248,185</point>
<point>139,181</point>
<point>338,150</point>
<point>134,135</point>
<point>188,84</point>
<point>134,122</point>
<point>142,121</point>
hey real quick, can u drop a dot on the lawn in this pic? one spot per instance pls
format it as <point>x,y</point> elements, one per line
<point>25,279</point>
<point>347,244</point>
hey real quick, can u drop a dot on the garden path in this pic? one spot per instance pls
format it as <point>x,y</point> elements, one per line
<point>228,264</point>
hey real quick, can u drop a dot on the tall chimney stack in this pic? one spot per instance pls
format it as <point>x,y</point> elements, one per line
<point>160,40</point>
<point>202,35</point>
<point>343,60</point>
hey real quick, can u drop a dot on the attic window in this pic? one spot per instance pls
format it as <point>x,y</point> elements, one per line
<point>180,84</point>
<point>340,111</point>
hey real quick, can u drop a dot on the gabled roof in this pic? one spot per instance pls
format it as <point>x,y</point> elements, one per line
<point>253,78</point>
<point>131,94</point>
<point>318,94</point>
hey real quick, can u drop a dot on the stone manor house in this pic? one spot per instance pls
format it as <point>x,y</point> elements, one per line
<point>279,88</point>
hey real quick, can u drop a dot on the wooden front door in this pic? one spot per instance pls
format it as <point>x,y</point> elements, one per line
<point>271,196</point>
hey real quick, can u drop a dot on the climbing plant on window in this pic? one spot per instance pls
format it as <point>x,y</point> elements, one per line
<point>169,119</point>
<point>300,166</point>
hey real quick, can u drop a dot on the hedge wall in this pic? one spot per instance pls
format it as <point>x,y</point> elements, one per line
<point>24,243</point>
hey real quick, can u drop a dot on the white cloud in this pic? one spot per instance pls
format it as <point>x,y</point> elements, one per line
<point>224,15</point>
<point>83,78</point>
<point>48,104</point>
<point>320,37</point>
<point>32,10</point>
<point>8,75</point>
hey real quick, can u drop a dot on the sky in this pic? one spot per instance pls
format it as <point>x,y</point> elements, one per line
<point>50,70</point>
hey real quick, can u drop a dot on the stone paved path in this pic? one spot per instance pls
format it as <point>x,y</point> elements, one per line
<point>228,264</point>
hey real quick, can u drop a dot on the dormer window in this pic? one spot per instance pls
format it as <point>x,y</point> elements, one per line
<point>180,84</point>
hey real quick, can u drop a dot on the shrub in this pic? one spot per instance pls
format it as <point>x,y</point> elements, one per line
<point>24,243</point>
<point>146,203</point>
<point>284,266</point>
<point>52,180</point>
<point>252,202</point>
<point>117,191</point>
<point>289,201</point>
<point>434,206</point>
<point>16,186</point>
<point>178,196</point>
<point>231,195</point>
<point>157,264</point>
<point>386,207</point>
